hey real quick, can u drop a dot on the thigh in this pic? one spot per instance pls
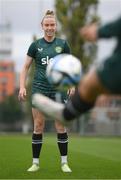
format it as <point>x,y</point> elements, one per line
<point>90,87</point>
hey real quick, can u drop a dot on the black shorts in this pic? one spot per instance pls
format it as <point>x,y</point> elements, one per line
<point>61,97</point>
<point>109,73</point>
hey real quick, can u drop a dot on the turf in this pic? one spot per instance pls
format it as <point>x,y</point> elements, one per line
<point>89,158</point>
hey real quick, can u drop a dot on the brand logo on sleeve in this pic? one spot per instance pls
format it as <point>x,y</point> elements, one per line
<point>40,49</point>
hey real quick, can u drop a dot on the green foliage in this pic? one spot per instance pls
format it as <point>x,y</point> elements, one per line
<point>10,110</point>
<point>72,15</point>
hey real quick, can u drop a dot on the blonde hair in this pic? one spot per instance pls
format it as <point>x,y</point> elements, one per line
<point>48,14</point>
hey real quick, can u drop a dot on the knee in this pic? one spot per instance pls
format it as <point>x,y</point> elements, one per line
<point>59,127</point>
<point>38,126</point>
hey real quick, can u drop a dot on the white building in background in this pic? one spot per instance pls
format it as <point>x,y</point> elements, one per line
<point>6,42</point>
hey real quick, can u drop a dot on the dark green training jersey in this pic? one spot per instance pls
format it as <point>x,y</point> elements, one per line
<point>43,52</point>
<point>110,71</point>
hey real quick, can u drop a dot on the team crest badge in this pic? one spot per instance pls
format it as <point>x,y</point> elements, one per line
<point>58,49</point>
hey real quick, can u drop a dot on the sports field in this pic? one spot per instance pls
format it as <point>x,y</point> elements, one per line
<point>89,158</point>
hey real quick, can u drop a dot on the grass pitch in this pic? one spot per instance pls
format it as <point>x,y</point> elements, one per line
<point>89,158</point>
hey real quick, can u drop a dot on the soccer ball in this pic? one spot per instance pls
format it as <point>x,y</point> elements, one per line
<point>64,71</point>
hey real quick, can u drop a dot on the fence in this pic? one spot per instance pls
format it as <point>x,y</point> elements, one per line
<point>101,121</point>
<point>98,122</point>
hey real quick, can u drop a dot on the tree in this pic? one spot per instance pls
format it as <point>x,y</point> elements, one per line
<point>72,15</point>
<point>10,110</point>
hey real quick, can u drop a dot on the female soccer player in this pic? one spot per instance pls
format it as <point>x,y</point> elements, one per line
<point>42,52</point>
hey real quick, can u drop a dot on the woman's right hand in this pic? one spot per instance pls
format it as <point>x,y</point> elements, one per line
<point>22,94</point>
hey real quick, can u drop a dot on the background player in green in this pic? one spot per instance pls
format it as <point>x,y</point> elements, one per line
<point>105,79</point>
<point>42,51</point>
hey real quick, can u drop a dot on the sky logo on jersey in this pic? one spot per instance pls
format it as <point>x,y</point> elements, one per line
<point>40,49</point>
<point>46,60</point>
<point>58,49</point>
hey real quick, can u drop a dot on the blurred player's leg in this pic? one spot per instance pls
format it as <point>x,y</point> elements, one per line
<point>49,107</point>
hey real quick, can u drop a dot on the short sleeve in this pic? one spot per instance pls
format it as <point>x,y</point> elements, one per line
<point>112,29</point>
<point>67,48</point>
<point>32,50</point>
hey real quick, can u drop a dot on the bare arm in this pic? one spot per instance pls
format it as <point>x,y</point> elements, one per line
<point>89,32</point>
<point>92,32</point>
<point>23,75</point>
